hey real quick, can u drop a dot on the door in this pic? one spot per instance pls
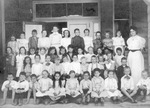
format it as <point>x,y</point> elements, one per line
<point>93,26</point>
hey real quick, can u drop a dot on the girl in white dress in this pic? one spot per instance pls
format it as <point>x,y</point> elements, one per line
<point>19,60</point>
<point>42,53</point>
<point>32,54</point>
<point>45,84</point>
<point>27,67</point>
<point>86,88</point>
<point>22,42</point>
<point>57,92</point>
<point>80,54</point>
<point>98,87</point>
<point>66,40</point>
<point>37,67</point>
<point>89,54</point>
<point>72,88</point>
<point>66,66</point>
<point>84,65</point>
<point>118,41</point>
<point>135,58</point>
<point>88,40</point>
<point>44,41</point>
<point>62,52</point>
<point>111,87</point>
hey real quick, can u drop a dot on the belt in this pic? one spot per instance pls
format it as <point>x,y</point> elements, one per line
<point>135,50</point>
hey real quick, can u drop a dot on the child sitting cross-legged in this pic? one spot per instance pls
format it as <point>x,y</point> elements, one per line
<point>111,88</point>
<point>98,92</point>
<point>72,89</point>
<point>8,88</point>
<point>45,84</point>
<point>57,92</point>
<point>21,89</point>
<point>143,86</point>
<point>127,86</point>
<point>33,87</point>
<point>86,88</point>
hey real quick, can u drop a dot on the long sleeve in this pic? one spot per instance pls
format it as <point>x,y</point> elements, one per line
<point>132,84</point>
<point>93,85</point>
<point>77,84</point>
<point>26,86</point>
<point>90,89</point>
<point>81,89</point>
<point>82,43</point>
<point>106,84</point>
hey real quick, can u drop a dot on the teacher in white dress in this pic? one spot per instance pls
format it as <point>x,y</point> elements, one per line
<point>135,58</point>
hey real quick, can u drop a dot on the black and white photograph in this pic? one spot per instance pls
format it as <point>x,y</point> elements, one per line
<point>74,53</point>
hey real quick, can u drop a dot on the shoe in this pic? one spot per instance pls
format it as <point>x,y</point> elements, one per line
<point>134,101</point>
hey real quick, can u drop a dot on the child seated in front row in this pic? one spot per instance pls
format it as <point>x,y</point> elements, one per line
<point>45,84</point>
<point>33,86</point>
<point>111,88</point>
<point>98,87</point>
<point>21,89</point>
<point>8,88</point>
<point>143,86</point>
<point>57,92</point>
<point>86,88</point>
<point>127,86</point>
<point>72,89</point>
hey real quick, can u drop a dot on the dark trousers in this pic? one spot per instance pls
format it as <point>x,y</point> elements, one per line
<point>73,99</point>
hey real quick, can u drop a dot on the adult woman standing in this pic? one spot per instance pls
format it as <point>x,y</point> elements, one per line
<point>135,58</point>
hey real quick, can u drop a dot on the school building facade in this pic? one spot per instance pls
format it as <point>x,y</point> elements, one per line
<point>16,15</point>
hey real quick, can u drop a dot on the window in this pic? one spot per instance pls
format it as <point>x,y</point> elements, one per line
<point>53,10</point>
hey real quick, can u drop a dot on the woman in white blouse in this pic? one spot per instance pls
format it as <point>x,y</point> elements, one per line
<point>135,58</point>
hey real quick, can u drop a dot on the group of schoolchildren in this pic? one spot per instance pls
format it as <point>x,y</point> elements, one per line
<point>64,69</point>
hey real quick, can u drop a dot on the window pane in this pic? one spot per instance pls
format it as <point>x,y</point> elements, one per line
<point>43,10</point>
<point>121,9</point>
<point>74,8</point>
<point>90,9</point>
<point>58,10</point>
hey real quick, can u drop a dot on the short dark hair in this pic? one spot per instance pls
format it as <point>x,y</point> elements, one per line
<point>123,58</point>
<point>97,69</point>
<point>133,28</point>
<point>34,30</point>
<point>98,32</point>
<point>76,30</point>
<point>119,49</point>
<point>9,74</point>
<point>23,73</point>
<point>86,30</point>
<point>37,55</point>
<point>72,71</point>
<point>86,72</point>
<point>33,75</point>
